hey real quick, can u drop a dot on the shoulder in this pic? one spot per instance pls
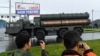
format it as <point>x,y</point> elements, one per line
<point>11,54</point>
<point>19,53</point>
<point>23,53</point>
<point>26,54</point>
<point>70,52</point>
<point>89,52</point>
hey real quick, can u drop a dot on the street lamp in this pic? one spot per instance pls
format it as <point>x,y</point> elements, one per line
<point>92,24</point>
<point>9,10</point>
<point>92,18</point>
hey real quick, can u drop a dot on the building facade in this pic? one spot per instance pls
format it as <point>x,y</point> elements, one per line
<point>6,17</point>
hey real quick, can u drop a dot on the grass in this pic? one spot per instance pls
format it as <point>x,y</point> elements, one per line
<point>91,29</point>
<point>56,49</point>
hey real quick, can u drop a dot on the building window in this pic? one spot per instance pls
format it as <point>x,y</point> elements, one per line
<point>7,16</point>
<point>14,16</point>
<point>2,16</point>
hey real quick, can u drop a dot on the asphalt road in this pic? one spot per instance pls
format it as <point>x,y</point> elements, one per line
<point>7,42</point>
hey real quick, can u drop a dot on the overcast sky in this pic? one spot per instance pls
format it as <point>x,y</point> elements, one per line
<point>59,6</point>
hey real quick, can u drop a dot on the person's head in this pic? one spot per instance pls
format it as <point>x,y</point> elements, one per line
<point>23,40</point>
<point>71,39</point>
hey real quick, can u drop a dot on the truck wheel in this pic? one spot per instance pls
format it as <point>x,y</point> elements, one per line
<point>40,34</point>
<point>25,31</point>
<point>61,32</point>
<point>58,39</point>
<point>79,31</point>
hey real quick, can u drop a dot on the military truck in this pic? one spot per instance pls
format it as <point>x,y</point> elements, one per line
<point>50,24</point>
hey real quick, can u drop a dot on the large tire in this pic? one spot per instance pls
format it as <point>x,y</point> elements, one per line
<point>79,31</point>
<point>61,32</point>
<point>25,31</point>
<point>40,34</point>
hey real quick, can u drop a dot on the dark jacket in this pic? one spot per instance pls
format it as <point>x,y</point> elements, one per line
<point>74,53</point>
<point>44,53</point>
<point>20,52</point>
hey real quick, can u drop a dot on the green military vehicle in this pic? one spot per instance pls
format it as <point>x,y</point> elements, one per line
<point>50,24</point>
